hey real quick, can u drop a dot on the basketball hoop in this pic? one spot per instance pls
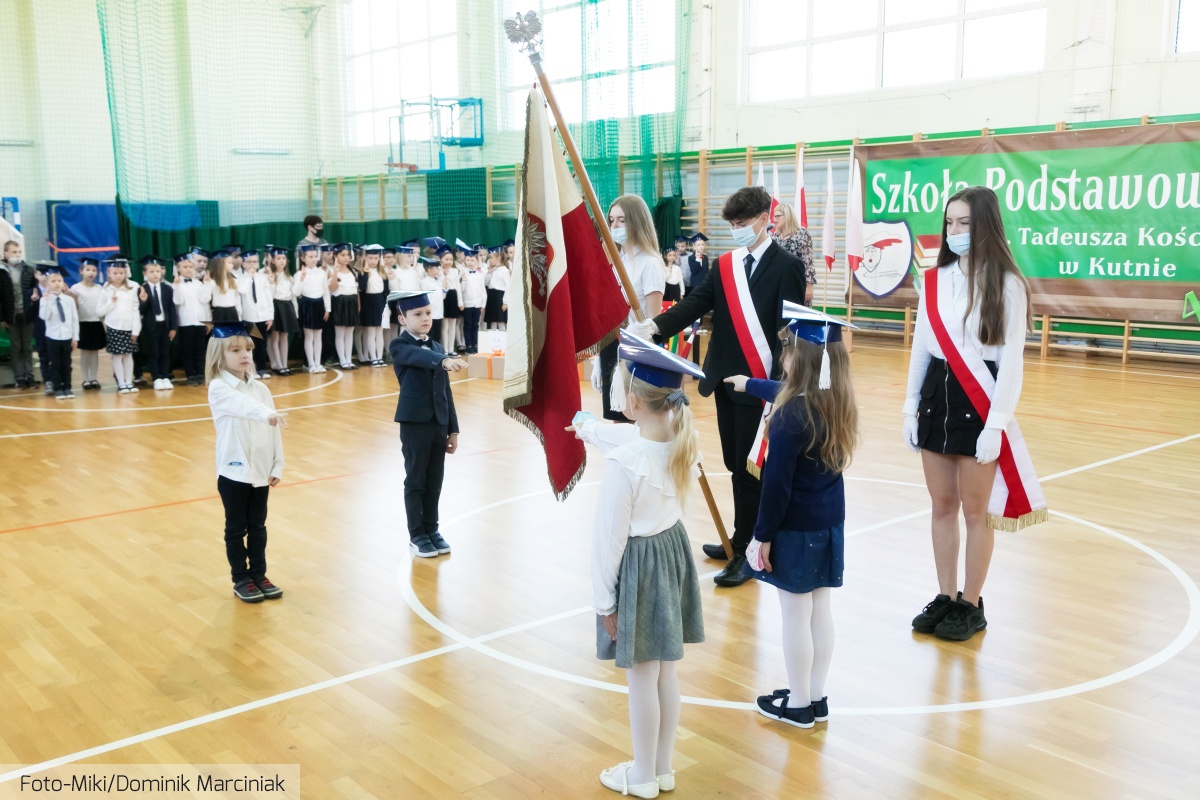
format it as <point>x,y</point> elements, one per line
<point>400,166</point>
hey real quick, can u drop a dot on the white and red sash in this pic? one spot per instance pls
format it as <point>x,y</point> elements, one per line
<point>751,339</point>
<point>1017,500</point>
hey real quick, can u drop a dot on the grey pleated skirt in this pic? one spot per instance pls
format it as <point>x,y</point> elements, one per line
<point>658,601</point>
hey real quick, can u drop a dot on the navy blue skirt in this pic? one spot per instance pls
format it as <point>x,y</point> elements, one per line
<point>805,560</point>
<point>370,314</point>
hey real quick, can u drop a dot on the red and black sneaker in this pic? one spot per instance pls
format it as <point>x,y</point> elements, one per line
<point>269,590</point>
<point>247,592</point>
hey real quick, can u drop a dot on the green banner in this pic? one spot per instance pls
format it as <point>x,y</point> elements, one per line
<point>1111,230</point>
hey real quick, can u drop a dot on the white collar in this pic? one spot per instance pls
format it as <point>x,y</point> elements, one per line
<point>234,380</point>
<point>758,251</point>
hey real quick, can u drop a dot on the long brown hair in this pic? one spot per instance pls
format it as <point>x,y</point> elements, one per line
<point>990,261</point>
<point>219,269</point>
<point>831,414</point>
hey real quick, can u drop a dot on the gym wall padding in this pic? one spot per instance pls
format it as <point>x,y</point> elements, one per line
<point>81,229</point>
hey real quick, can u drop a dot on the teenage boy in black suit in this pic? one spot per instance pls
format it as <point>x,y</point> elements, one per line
<point>772,276</point>
<point>428,422</point>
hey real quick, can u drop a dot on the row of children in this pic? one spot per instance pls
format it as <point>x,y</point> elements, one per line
<point>686,269</point>
<point>337,296</point>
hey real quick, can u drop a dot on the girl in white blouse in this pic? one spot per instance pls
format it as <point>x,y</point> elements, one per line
<point>87,294</point>
<point>983,317</point>
<point>644,585</point>
<point>119,309</point>
<point>226,299</point>
<point>312,284</point>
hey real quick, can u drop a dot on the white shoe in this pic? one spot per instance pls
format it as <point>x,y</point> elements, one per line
<point>132,389</point>
<point>122,390</point>
<point>319,369</point>
<point>617,779</point>
<point>158,384</point>
<point>666,783</point>
<point>168,384</point>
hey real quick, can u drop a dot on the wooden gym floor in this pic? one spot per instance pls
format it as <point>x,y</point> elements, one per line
<point>474,675</point>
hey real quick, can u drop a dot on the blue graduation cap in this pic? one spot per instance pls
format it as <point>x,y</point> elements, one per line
<point>429,263</point>
<point>413,243</point>
<point>463,246</point>
<point>445,248</point>
<point>194,251</point>
<point>273,250</point>
<point>232,249</point>
<point>681,238</point>
<point>226,330</point>
<point>507,243</point>
<point>434,242</point>
<point>222,253</point>
<point>343,246</point>
<point>390,250</point>
<point>409,301</point>
<point>50,268</point>
<point>477,247</point>
<point>249,254</point>
<point>151,260</point>
<point>818,328</point>
<point>372,248</point>
<point>118,260</point>
<point>181,257</point>
<point>407,250</point>
<point>496,249</point>
<point>658,367</point>
<point>698,237</point>
<point>309,248</point>
<point>88,261</point>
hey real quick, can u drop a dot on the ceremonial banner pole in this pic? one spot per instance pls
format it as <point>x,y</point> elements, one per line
<point>525,30</point>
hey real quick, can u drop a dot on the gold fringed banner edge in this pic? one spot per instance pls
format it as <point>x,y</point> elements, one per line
<point>1010,525</point>
<point>516,414</point>
<point>753,468</point>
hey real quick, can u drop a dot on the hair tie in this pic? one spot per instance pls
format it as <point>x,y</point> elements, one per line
<point>677,398</point>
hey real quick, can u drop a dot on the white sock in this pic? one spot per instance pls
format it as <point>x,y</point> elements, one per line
<point>797,645</point>
<point>822,636</point>
<point>668,723</point>
<point>644,719</point>
<point>89,364</point>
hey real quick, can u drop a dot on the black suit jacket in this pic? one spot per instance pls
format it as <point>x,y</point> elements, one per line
<point>166,296</point>
<point>425,394</point>
<point>779,277</point>
<point>698,269</point>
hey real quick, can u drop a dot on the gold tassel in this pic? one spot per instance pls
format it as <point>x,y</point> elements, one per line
<point>753,468</point>
<point>1010,525</point>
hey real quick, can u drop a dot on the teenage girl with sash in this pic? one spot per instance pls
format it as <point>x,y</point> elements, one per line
<point>964,380</point>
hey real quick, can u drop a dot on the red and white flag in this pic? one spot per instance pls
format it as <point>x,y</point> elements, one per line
<point>854,218</point>
<point>828,242</point>
<point>565,301</point>
<point>801,201</point>
<point>774,192</point>
<point>761,182</point>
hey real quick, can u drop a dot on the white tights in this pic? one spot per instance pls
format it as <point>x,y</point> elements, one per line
<point>807,644</point>
<point>360,343</point>
<point>653,718</point>
<point>373,343</point>
<point>343,340</point>
<point>123,369</point>
<point>312,347</point>
<point>449,328</point>
<point>277,347</point>
<point>89,364</point>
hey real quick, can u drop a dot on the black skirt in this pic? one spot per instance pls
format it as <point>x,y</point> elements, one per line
<point>672,293</point>
<point>450,304</point>
<point>91,336</point>
<point>345,310</point>
<point>225,314</point>
<point>947,423</point>
<point>494,312</point>
<point>312,313</point>
<point>805,560</point>
<point>286,320</point>
<point>371,314</point>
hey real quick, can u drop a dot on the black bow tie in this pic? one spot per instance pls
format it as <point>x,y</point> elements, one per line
<point>425,342</point>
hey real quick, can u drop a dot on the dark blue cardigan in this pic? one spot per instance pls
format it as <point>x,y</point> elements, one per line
<point>799,493</point>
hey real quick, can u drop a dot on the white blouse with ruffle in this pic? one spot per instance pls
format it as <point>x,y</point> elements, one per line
<point>637,498</point>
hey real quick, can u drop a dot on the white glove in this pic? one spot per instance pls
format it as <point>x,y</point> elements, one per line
<point>754,555</point>
<point>910,433</point>
<point>987,446</point>
<point>645,329</point>
<point>597,376</point>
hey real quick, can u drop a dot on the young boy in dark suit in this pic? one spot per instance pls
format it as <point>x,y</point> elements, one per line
<point>428,422</point>
<point>160,321</point>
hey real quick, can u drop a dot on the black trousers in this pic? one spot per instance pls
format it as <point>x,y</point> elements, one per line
<point>424,448</point>
<point>471,328</point>
<point>245,528</point>
<point>261,359</point>
<point>435,333</point>
<point>608,362</point>
<point>58,368</point>
<point>192,343</point>
<point>156,345</point>
<point>738,425</point>
<point>39,344</point>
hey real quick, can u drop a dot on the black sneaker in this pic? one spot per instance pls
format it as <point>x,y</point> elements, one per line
<point>247,592</point>
<point>60,394</point>
<point>715,551</point>
<point>269,590</point>
<point>49,389</point>
<point>934,613</point>
<point>439,544</point>
<point>422,547</point>
<point>772,706</point>
<point>963,621</point>
<point>821,709</point>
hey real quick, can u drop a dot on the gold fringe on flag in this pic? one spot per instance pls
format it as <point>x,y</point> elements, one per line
<point>1010,525</point>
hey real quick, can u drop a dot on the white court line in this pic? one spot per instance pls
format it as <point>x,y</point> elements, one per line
<point>1191,628</point>
<point>337,377</point>
<point>204,419</point>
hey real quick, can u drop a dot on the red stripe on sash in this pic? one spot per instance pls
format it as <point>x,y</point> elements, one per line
<point>738,314</point>
<point>1017,503</point>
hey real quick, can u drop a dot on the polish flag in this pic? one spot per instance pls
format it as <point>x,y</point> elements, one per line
<point>854,218</point>
<point>760,182</point>
<point>566,302</point>
<point>801,203</point>
<point>774,191</point>
<point>828,243</point>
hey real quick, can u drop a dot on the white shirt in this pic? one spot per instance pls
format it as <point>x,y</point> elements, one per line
<point>474,289</point>
<point>284,286</point>
<point>637,498</point>
<point>437,295</point>
<point>264,308</point>
<point>87,301</point>
<point>406,279</point>
<point>230,298</point>
<point>153,290</point>
<point>192,298</point>
<point>452,280</point>
<point>123,313</point>
<point>647,275</point>
<point>498,279</point>
<point>374,282</point>
<point>674,275</point>
<point>1009,357</point>
<point>248,449</point>
<point>314,284</point>
<point>57,328</point>
<point>347,284</point>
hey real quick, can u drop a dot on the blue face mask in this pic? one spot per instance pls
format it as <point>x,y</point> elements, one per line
<point>959,243</point>
<point>745,236</point>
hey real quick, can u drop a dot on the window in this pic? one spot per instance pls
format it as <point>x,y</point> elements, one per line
<point>1187,27</point>
<point>812,48</point>
<point>606,59</point>
<point>378,41</point>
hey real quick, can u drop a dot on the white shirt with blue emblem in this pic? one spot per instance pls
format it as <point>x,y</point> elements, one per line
<point>249,450</point>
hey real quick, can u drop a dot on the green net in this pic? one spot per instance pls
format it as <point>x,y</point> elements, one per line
<point>229,115</point>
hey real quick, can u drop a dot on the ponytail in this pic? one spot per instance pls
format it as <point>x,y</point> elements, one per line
<point>684,452</point>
